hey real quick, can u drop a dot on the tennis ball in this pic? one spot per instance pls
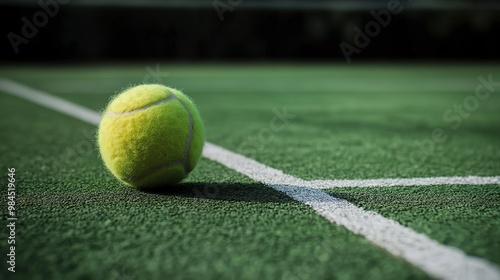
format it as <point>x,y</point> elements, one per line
<point>150,136</point>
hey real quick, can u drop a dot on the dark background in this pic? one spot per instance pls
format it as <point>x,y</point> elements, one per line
<point>90,31</point>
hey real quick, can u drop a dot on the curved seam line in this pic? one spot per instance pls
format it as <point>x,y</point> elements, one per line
<point>190,135</point>
<point>161,101</point>
<point>182,162</point>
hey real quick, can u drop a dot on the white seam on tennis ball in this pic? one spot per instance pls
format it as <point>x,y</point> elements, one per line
<point>190,135</point>
<point>159,102</point>
<point>182,162</point>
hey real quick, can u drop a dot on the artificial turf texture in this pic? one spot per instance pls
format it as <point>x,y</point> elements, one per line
<point>77,222</point>
<point>466,217</point>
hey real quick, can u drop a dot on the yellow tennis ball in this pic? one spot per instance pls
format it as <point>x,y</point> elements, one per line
<point>151,136</point>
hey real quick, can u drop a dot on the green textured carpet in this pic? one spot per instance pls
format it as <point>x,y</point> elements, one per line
<point>77,222</point>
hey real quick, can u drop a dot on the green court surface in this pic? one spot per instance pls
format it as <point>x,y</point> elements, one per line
<point>315,122</point>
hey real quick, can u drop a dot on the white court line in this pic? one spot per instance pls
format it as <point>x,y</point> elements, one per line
<point>405,182</point>
<point>440,261</point>
<point>437,260</point>
<point>49,101</point>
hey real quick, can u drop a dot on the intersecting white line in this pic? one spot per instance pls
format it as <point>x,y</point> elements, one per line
<point>440,261</point>
<point>405,182</point>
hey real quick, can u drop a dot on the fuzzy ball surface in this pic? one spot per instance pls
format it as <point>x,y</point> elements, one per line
<point>151,136</point>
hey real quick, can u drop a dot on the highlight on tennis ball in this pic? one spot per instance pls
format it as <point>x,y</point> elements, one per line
<point>151,136</point>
